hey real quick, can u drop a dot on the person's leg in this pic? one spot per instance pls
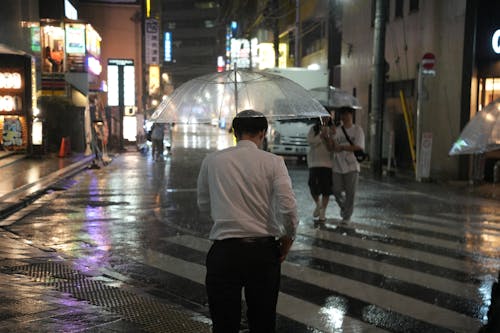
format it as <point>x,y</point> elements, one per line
<point>313,189</point>
<point>153,148</point>
<point>337,188</point>
<point>262,287</point>
<point>223,287</point>
<point>324,204</point>
<point>161,148</point>
<point>325,187</point>
<point>351,182</point>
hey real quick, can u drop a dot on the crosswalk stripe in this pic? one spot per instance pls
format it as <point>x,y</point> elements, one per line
<point>196,273</point>
<point>425,224</point>
<point>412,254</point>
<point>479,223</point>
<point>386,299</point>
<point>409,234</point>
<point>408,275</point>
<point>331,319</point>
<point>400,273</point>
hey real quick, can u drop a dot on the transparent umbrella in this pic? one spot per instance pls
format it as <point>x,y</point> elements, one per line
<point>482,132</point>
<point>332,97</point>
<point>218,96</point>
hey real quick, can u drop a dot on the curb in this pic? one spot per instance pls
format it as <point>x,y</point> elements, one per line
<point>26,194</point>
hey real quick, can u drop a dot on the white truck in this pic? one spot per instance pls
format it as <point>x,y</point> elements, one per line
<point>289,137</point>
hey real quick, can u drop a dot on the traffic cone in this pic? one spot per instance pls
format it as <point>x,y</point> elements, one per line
<point>62,148</point>
<point>68,146</point>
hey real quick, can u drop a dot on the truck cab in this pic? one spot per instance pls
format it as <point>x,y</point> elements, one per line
<point>289,137</point>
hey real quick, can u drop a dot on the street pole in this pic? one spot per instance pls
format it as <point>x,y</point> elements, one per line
<point>276,32</point>
<point>378,81</point>
<point>297,34</point>
<point>419,124</point>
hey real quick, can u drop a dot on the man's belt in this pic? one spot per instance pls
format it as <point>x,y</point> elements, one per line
<point>250,240</point>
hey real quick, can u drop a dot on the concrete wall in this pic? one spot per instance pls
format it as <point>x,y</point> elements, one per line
<point>121,36</point>
<point>437,27</point>
<point>12,13</point>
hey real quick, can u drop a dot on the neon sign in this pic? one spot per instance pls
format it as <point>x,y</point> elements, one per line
<point>495,41</point>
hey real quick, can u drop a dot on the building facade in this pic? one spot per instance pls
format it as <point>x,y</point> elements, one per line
<point>120,25</point>
<point>465,72</point>
<point>339,35</point>
<point>193,35</point>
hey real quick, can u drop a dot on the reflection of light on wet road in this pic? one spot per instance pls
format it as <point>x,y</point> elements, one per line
<point>333,312</point>
<point>96,230</point>
<point>33,175</point>
<point>204,136</point>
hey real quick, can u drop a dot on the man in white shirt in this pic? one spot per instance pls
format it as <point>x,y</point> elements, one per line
<point>248,194</point>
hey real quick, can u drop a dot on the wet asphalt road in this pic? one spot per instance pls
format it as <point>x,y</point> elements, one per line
<point>415,258</point>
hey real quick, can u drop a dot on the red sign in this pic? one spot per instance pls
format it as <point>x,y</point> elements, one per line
<point>428,61</point>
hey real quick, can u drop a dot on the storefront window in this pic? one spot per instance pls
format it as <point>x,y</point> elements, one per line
<point>489,90</point>
<point>53,49</point>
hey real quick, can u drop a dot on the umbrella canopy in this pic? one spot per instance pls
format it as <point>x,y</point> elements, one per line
<point>222,95</point>
<point>482,132</point>
<point>335,98</point>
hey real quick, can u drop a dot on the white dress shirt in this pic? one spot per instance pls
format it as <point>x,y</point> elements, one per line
<point>247,192</point>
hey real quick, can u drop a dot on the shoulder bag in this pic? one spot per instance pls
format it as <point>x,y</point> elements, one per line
<point>360,154</point>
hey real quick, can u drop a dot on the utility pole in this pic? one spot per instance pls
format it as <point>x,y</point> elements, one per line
<point>276,32</point>
<point>297,34</point>
<point>378,81</point>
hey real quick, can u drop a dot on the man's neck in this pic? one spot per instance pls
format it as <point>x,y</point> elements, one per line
<point>254,138</point>
<point>347,124</point>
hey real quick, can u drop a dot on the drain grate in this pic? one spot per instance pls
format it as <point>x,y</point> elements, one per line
<point>152,315</point>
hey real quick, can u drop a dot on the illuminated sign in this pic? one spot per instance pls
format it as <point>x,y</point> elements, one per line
<point>35,39</point>
<point>154,79</point>
<point>121,82</point>
<point>11,101</point>
<point>94,65</point>
<point>93,41</point>
<point>168,46</point>
<point>113,85</point>
<point>70,10</point>
<point>241,50</point>
<point>129,85</point>
<point>75,39</point>
<point>495,41</point>
<point>10,80</point>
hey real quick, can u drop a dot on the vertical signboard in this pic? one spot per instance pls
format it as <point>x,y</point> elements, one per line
<point>121,82</point>
<point>152,45</point>
<point>168,46</point>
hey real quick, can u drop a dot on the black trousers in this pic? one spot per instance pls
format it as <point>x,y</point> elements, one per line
<point>236,264</point>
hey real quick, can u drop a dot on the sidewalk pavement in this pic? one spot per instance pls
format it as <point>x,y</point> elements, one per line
<point>42,292</point>
<point>25,178</point>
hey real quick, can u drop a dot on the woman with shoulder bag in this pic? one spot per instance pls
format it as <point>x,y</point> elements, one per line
<point>348,138</point>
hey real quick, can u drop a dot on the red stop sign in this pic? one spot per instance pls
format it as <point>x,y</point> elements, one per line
<point>428,61</point>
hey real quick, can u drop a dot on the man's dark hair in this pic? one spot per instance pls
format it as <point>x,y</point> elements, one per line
<point>249,122</point>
